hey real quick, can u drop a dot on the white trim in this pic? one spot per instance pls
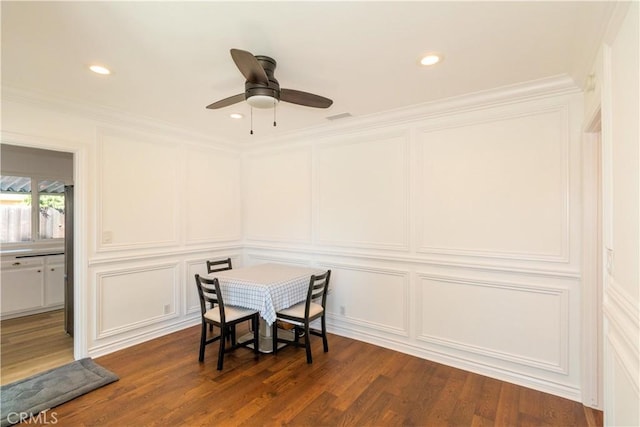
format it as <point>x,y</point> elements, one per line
<point>406,311</point>
<point>623,332</point>
<point>501,372</point>
<point>81,226</point>
<point>501,96</point>
<point>558,366</point>
<point>562,108</point>
<point>100,245</point>
<point>101,332</point>
<point>402,246</point>
<point>592,285</point>
<point>489,265</point>
<point>109,116</point>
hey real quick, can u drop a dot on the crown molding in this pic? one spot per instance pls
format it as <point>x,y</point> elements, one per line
<point>107,115</point>
<point>504,95</point>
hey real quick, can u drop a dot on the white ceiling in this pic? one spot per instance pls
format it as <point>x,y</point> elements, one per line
<point>171,59</point>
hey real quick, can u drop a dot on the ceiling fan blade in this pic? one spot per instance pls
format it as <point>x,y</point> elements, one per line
<point>249,66</point>
<point>227,101</point>
<point>304,98</point>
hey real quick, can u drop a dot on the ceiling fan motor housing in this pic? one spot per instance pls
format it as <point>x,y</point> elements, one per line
<point>272,90</point>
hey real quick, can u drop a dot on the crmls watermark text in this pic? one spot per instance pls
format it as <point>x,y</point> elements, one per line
<point>44,417</point>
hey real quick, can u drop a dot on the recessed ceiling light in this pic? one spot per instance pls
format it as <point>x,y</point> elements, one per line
<point>99,69</point>
<point>431,59</point>
<point>236,115</point>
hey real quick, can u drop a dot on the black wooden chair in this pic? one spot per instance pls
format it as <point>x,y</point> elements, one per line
<point>303,313</point>
<point>224,317</point>
<point>214,266</point>
<point>219,265</point>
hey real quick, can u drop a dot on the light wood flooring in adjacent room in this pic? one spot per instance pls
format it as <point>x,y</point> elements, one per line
<point>33,344</point>
<point>354,384</point>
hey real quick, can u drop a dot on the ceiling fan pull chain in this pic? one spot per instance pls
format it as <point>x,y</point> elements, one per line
<point>251,133</point>
<point>274,112</point>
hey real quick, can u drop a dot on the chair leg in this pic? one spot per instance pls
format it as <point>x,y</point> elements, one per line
<point>224,332</point>
<point>203,339</point>
<point>274,336</point>
<point>324,335</point>
<point>256,336</point>
<point>307,342</point>
<point>232,330</point>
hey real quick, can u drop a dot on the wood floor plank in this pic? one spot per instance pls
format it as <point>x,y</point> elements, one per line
<point>33,344</point>
<point>354,384</point>
<point>507,410</point>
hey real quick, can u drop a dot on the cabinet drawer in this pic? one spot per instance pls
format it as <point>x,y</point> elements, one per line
<point>22,263</point>
<point>55,259</point>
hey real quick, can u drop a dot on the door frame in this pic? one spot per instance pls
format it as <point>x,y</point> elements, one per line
<point>80,230</point>
<point>592,384</point>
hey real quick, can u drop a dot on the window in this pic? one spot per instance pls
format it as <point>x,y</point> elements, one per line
<point>21,219</point>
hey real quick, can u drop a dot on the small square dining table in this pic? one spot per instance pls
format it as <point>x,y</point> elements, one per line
<point>267,288</point>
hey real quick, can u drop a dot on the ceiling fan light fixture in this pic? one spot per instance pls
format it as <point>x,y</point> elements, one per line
<point>431,59</point>
<point>262,101</point>
<point>99,69</point>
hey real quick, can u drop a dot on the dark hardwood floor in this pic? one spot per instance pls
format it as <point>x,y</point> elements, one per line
<point>354,384</point>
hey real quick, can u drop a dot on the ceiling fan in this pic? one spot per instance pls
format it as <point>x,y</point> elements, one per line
<point>261,89</point>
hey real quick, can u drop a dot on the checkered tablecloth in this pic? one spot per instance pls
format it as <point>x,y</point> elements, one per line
<point>266,287</point>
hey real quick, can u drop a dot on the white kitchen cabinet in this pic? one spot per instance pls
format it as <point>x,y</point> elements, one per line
<point>54,280</point>
<point>30,285</point>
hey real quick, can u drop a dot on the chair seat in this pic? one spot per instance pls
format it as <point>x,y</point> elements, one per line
<point>298,310</point>
<point>231,313</point>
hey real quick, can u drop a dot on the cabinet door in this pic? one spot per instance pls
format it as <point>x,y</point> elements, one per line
<point>22,286</point>
<point>54,283</point>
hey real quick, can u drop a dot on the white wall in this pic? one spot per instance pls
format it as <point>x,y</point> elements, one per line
<point>453,229</point>
<point>454,237</point>
<point>152,204</point>
<point>621,235</point>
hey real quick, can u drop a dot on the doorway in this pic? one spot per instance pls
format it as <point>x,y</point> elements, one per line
<point>35,335</point>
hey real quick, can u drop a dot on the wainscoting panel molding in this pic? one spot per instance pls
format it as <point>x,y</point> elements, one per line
<point>496,187</point>
<point>277,189</point>
<point>623,331</point>
<point>212,206</point>
<point>472,316</point>
<point>254,259</point>
<point>129,165</point>
<point>131,298</point>
<point>375,298</point>
<point>367,177</point>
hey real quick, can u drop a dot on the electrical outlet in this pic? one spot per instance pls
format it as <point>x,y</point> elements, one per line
<point>167,308</point>
<point>342,310</point>
<point>107,237</point>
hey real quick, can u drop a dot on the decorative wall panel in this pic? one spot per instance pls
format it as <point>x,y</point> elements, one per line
<point>496,188</point>
<point>137,196</point>
<point>376,298</point>
<point>127,299</point>
<point>212,197</point>
<point>363,193</point>
<point>278,196</point>
<point>517,323</point>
